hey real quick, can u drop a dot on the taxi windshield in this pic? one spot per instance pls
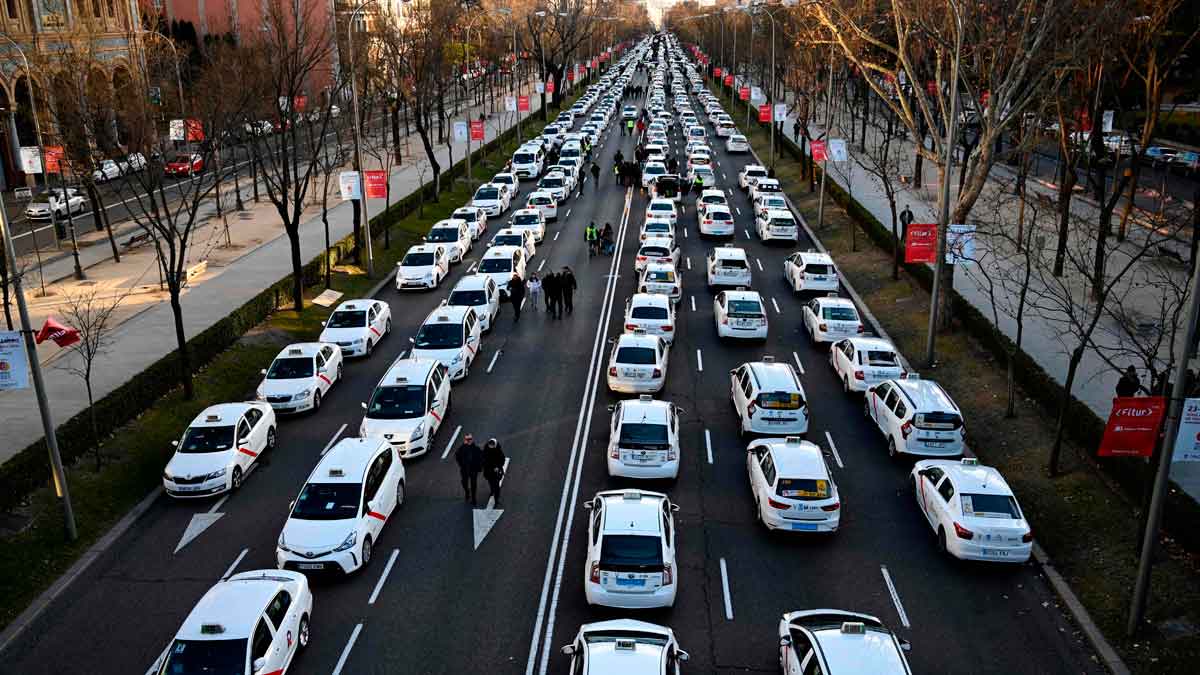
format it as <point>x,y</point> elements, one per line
<point>653,170</point>
<point>540,200</point>
<point>356,318</point>
<point>638,356</point>
<point>745,308</point>
<point>417,260</point>
<point>206,439</point>
<point>737,263</point>
<point>399,402</point>
<point>551,182</point>
<point>487,193</point>
<point>327,501</point>
<point>643,436</point>
<point>649,312</point>
<point>442,234</point>
<point>439,336</point>
<point>508,240</point>
<point>206,657</point>
<point>662,207</point>
<point>780,400</point>
<point>655,251</point>
<point>990,506</point>
<point>839,314</point>
<point>467,298</point>
<point>291,368</point>
<point>523,158</point>
<point>714,199</point>
<point>496,265</point>
<point>526,219</point>
<point>764,186</point>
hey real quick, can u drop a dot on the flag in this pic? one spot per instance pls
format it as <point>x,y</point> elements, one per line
<point>63,336</point>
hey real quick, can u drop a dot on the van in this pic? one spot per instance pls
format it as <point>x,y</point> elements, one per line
<point>527,161</point>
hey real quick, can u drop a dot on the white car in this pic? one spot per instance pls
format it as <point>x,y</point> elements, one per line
<point>643,439</point>
<point>60,201</point>
<point>252,623</point>
<point>557,184</point>
<point>544,202</point>
<point>631,551</point>
<point>709,198</point>
<point>750,174</point>
<point>626,647</point>
<point>663,208</point>
<point>651,171</point>
<point>532,221</point>
<point>792,486</point>
<point>661,278</point>
<point>917,417</point>
<point>501,264</point>
<point>453,236</point>
<point>629,112</point>
<point>728,266</point>
<point>716,221</point>
<point>774,225</point>
<point>493,198</point>
<point>115,168</point>
<point>740,314</point>
<point>694,130</point>
<point>638,363</point>
<point>423,266</point>
<point>342,508</point>
<point>301,376</point>
<point>762,186</point>
<point>972,510</point>
<point>864,362</point>
<point>219,448</point>
<point>810,271</point>
<point>830,318</point>
<point>452,336</point>
<point>408,405</point>
<point>737,143</point>
<point>768,399</point>
<point>520,238</point>
<point>769,201</point>
<point>508,180</point>
<point>657,227</point>
<point>569,172</point>
<point>698,158</point>
<point>356,326</point>
<point>478,292</point>
<point>652,314</point>
<point>834,642</point>
<point>660,250</point>
<point>724,129</point>
<point>705,173</point>
<point>475,217</point>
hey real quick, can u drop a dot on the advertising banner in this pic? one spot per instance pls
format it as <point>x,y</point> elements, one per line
<point>510,103</point>
<point>1132,427</point>
<point>837,150</point>
<point>920,243</point>
<point>31,159</point>
<point>348,185</point>
<point>729,80</point>
<point>477,130</point>
<point>818,151</point>
<point>14,367</point>
<point>522,104</point>
<point>1187,443</point>
<point>54,155</point>
<point>717,72</point>
<point>460,131</point>
<point>764,112</point>
<point>744,93</point>
<point>376,184</point>
<point>780,112</point>
<point>960,244</point>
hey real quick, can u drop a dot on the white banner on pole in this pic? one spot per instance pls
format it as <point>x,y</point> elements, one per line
<point>756,95</point>
<point>539,87</point>
<point>960,244</point>
<point>178,130</point>
<point>348,184</point>
<point>1187,442</point>
<point>837,150</point>
<point>14,367</point>
<point>780,112</point>
<point>31,159</point>
<point>460,132</point>
<point>1107,125</point>
<point>510,103</point>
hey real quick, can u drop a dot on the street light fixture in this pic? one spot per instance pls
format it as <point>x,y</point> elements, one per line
<point>358,164</point>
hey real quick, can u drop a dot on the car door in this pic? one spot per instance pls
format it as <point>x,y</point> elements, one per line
<point>793,655</point>
<point>719,307</point>
<point>439,400</point>
<point>374,507</point>
<point>247,452</point>
<point>471,325</point>
<point>258,430</point>
<point>840,357</point>
<point>887,416</point>
<point>333,359</point>
<point>754,458</point>
<point>263,648</point>
<point>876,403</point>
<point>940,505</point>
<point>927,490</point>
<point>388,481</point>
<point>286,624</point>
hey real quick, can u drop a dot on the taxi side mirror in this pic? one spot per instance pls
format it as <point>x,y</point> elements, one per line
<point>569,650</point>
<point>674,508</point>
<point>323,324</point>
<point>588,506</point>
<point>260,663</point>
<point>291,505</point>
<point>611,407</point>
<point>175,444</point>
<point>870,390</point>
<point>785,641</point>
<point>905,645</point>
<point>682,656</point>
<point>412,340</point>
<point>263,371</point>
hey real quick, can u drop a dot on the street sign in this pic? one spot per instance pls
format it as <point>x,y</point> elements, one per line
<point>818,151</point>
<point>522,104</point>
<point>837,150</point>
<point>155,95</point>
<point>348,185</point>
<point>54,155</point>
<point>1132,428</point>
<point>377,187</point>
<point>960,244</point>
<point>780,112</point>
<point>14,367</point>
<point>1107,125</point>
<point>539,87</point>
<point>31,159</point>
<point>460,131</point>
<point>756,94</point>
<point>477,130</point>
<point>177,130</point>
<point>550,85</point>
<point>920,243</point>
<point>764,112</point>
<point>1187,442</point>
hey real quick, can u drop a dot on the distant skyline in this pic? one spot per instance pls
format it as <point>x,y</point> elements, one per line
<point>658,7</point>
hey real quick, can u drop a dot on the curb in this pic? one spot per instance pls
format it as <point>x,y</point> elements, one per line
<point>1095,637</point>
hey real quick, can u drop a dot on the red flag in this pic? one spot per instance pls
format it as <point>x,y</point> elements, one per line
<point>920,243</point>
<point>477,131</point>
<point>744,93</point>
<point>63,336</point>
<point>818,151</point>
<point>1132,427</point>
<point>716,72</point>
<point>728,80</point>
<point>376,184</point>
<point>523,104</point>
<point>764,112</point>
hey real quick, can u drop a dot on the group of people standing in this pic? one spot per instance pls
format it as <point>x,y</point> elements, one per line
<point>472,460</point>
<point>556,289</point>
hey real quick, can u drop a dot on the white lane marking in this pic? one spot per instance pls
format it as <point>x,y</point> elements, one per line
<point>685,234</point>
<point>337,434</point>
<point>341,663</point>
<point>568,213</point>
<point>833,447</point>
<point>799,366</point>
<point>724,175</point>
<point>759,263</point>
<point>450,443</point>
<point>699,361</point>
<point>895,596</point>
<point>746,232</point>
<point>776,305</point>
<point>387,569</point>
<point>556,235</point>
<point>689,263</point>
<point>693,303</point>
<point>708,446</point>
<point>219,504</point>
<point>236,561</point>
<point>471,268</point>
<point>541,265</point>
<point>495,356</point>
<point>725,591</point>
<point>523,302</point>
<point>739,211</point>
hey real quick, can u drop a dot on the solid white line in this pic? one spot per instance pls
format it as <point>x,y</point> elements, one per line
<point>541,265</point>
<point>689,263</point>
<point>693,303</point>
<point>383,577</point>
<point>739,210</point>
<point>759,263</point>
<point>229,572</point>
<point>708,445</point>
<point>725,591</point>
<point>895,596</point>
<point>453,438</point>
<point>556,235</point>
<point>471,268</point>
<point>494,357</point>
<point>217,506</point>
<point>776,305</point>
<point>341,663</point>
<point>699,361</point>
<point>833,447</point>
<point>337,434</point>
<point>799,366</point>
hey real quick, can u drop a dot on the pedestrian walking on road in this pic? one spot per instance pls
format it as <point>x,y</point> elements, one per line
<point>470,462</point>
<point>629,127</point>
<point>550,288</point>
<point>595,177</point>
<point>1129,384</point>
<point>796,132</point>
<point>606,239</point>
<point>592,236</point>
<point>516,295</point>
<point>906,218</point>
<point>619,157</point>
<point>534,286</point>
<point>493,467</point>
<point>567,282</point>
<point>673,165</point>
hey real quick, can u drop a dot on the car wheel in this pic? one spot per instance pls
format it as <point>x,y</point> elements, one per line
<point>867,407</point>
<point>387,328</point>
<point>941,542</point>
<point>846,384</point>
<point>892,447</point>
<point>369,348</point>
<point>302,633</point>
<point>236,480</point>
<point>316,401</point>
<point>399,494</point>
<point>271,440</point>
<point>366,553</point>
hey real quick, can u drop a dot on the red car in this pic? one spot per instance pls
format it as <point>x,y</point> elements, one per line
<point>184,165</point>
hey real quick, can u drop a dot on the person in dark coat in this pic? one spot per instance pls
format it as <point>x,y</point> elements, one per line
<point>554,295</point>
<point>470,462</point>
<point>549,288</point>
<point>673,165</point>
<point>906,219</point>
<point>493,467</point>
<point>595,178</point>
<point>1129,384</point>
<point>516,295</point>
<point>566,280</point>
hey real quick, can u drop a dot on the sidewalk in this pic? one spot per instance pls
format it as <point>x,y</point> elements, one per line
<point>1095,380</point>
<point>259,257</point>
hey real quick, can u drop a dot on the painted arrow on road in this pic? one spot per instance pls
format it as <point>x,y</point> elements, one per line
<point>199,523</point>
<point>485,519</point>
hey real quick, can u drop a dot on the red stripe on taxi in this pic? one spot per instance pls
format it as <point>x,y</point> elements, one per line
<point>435,416</point>
<point>374,331</point>
<point>373,514</point>
<point>248,451</point>
<point>326,379</point>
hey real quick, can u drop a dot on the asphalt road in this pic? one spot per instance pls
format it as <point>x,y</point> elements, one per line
<point>445,607</point>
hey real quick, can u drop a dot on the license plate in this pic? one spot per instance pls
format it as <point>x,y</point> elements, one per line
<point>998,553</point>
<point>630,582</point>
<point>633,374</point>
<point>310,566</point>
<point>936,444</point>
<point>805,527</point>
<point>771,421</point>
<point>188,488</point>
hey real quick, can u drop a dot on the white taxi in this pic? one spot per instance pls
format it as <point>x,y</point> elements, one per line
<point>557,184</point>
<point>704,172</point>
<point>625,647</point>
<point>631,550</point>
<point>737,143</point>
<point>917,417</point>
<point>657,226</point>
<point>768,399</point>
<point>479,293</point>
<point>501,264</point>
<point>219,449</point>
<point>810,271</point>
<point>638,363</point>
<point>300,376</point>
<point>493,198</point>
<point>792,486</point>
<point>972,510</point>
<point>543,201</point>
<point>530,220</point>
<point>643,439</point>
<point>475,217</point>
<point>740,314</point>
<point>709,198</point>
<point>656,250</point>
<point>343,506</point>
<point>452,336</point>
<point>661,278</point>
<point>835,642</point>
<point>651,171</point>
<point>253,623</point>
<point>356,326</point>
<point>777,225</point>
<point>716,221</point>
<point>762,186</point>
<point>408,405</point>
<point>453,236</point>
<point>651,313</point>
<point>522,239</point>
<point>750,174</point>
<point>728,266</point>
<point>423,266</point>
<point>508,180</point>
<point>769,201</point>
<point>830,318</point>
<point>864,362</point>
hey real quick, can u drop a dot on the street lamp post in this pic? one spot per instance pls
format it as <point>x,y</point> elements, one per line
<point>541,14</point>
<point>37,129</point>
<point>505,11</point>
<point>358,164</point>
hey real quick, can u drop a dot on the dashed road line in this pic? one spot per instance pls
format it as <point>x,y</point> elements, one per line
<point>776,305</point>
<point>699,361</point>
<point>708,445</point>
<point>833,448</point>
<point>450,443</point>
<point>471,268</point>
<point>693,303</point>
<point>799,366</point>
<point>745,232</point>
<point>383,577</point>
<point>895,596</point>
<point>725,591</point>
<point>236,561</point>
<point>759,263</point>
<point>739,212</point>
<point>568,213</point>
<point>337,434</point>
<point>541,265</point>
<point>689,263</point>
<point>556,235</point>
<point>495,356</point>
<point>341,663</point>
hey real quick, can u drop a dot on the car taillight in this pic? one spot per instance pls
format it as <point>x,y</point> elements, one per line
<point>725,321</point>
<point>615,453</point>
<point>750,410</point>
<point>631,326</point>
<point>595,574</point>
<point>832,507</point>
<point>906,429</point>
<point>778,505</point>
<point>668,328</point>
<point>1027,537</point>
<point>708,221</point>
<point>903,374</point>
<point>822,327</point>
<point>861,328</point>
<point>858,375</point>
<point>962,532</point>
<point>667,577</point>
<point>672,455</point>
<point>657,373</point>
<point>642,289</point>
<point>612,371</point>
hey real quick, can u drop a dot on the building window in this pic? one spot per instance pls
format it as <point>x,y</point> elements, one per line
<point>112,9</point>
<point>10,6</point>
<point>96,10</point>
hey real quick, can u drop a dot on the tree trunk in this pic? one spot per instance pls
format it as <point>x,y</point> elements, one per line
<point>4,287</point>
<point>1066,189</point>
<point>181,345</point>
<point>356,214</point>
<point>96,454</point>
<point>919,160</point>
<point>293,231</point>
<point>1064,406</point>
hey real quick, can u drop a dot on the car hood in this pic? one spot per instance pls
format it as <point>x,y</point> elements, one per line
<point>40,208</point>
<point>322,535</point>
<point>399,429</point>
<point>193,464</point>
<point>285,387</point>
<point>342,334</point>
<point>414,271</point>
<point>443,355</point>
<point>484,203</point>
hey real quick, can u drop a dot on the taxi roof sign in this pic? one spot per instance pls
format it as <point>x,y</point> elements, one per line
<point>336,473</point>
<point>211,629</point>
<point>767,358</point>
<point>792,440</point>
<point>854,628</point>
<point>632,495</point>
<point>645,397</point>
<point>625,644</point>
<point>212,418</point>
<point>296,352</point>
<point>970,461</point>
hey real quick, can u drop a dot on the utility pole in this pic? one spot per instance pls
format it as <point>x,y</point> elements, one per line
<point>828,136</point>
<point>39,386</point>
<point>358,164</point>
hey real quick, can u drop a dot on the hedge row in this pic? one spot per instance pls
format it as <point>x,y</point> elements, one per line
<point>29,470</point>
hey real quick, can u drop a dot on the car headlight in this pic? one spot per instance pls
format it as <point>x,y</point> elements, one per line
<point>359,341</point>
<point>457,359</point>
<point>216,474</point>
<point>259,395</point>
<point>418,432</point>
<point>302,395</point>
<point>348,542</point>
<point>281,543</point>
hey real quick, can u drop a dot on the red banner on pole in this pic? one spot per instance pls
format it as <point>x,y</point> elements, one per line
<point>818,151</point>
<point>764,112</point>
<point>477,130</point>
<point>376,184</point>
<point>1133,426</point>
<point>522,104</point>
<point>717,71</point>
<point>54,155</point>
<point>985,97</point>
<point>744,93</point>
<point>63,336</point>
<point>920,243</point>
<point>550,86</point>
<point>931,88</point>
<point>729,80</point>
<point>194,131</point>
